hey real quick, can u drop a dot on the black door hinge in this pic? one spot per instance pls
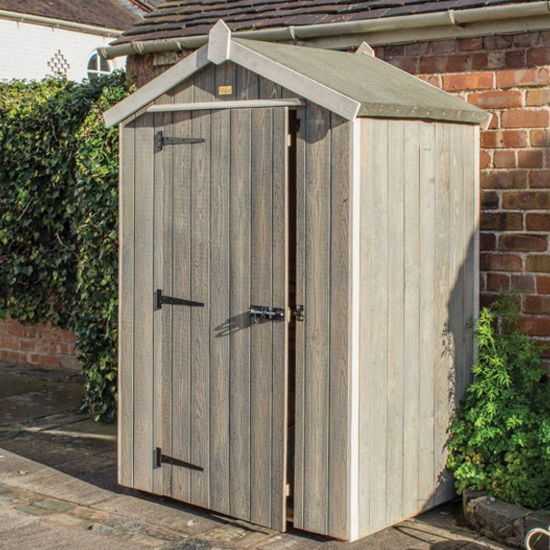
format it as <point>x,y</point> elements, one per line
<point>161,459</point>
<point>299,313</point>
<point>161,140</point>
<point>160,299</point>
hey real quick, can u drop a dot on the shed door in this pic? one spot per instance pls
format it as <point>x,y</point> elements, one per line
<point>221,241</point>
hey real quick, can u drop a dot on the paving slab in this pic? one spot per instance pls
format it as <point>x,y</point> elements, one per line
<point>58,490</point>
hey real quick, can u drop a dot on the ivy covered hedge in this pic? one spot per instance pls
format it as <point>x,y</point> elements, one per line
<point>58,218</point>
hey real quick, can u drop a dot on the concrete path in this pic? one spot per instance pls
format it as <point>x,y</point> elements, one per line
<point>58,489</point>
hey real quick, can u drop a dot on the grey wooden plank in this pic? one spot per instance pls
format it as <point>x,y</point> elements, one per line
<point>317,292</point>
<point>279,168</point>
<point>247,84</point>
<point>162,123</point>
<point>396,321</point>
<point>143,319</point>
<point>471,213</point>
<point>220,365</point>
<point>203,84</point>
<point>443,358</point>
<point>457,247</point>
<point>339,342</point>
<point>182,217</point>
<point>126,306</point>
<point>200,316</point>
<point>238,323</point>
<point>268,89</point>
<point>261,353</point>
<point>427,305</point>
<point>167,335</point>
<point>226,77</point>
<point>299,358</point>
<point>368,148</point>
<point>379,164</point>
<point>411,376</point>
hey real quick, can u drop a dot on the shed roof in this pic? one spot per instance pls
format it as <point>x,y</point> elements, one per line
<point>349,84</point>
<point>381,89</point>
<point>187,18</point>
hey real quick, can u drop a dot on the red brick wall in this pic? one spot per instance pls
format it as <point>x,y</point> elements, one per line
<point>510,77</point>
<point>37,344</point>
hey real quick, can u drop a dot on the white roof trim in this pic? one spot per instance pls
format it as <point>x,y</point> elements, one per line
<point>221,48</point>
<point>154,89</point>
<point>220,105</point>
<point>219,43</point>
<point>294,81</point>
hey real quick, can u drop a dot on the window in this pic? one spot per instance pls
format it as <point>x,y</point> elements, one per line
<point>97,66</point>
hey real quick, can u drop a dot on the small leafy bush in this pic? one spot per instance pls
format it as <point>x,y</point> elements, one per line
<point>58,218</point>
<point>500,438</point>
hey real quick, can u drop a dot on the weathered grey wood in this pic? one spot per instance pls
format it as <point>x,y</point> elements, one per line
<point>220,364</point>
<point>261,348</point>
<point>163,83</point>
<point>321,95</point>
<point>227,104</point>
<point>166,336</point>
<point>204,83</point>
<point>378,402</point>
<point>443,356</point>
<point>143,303</point>
<point>427,304</point>
<point>225,75</point>
<point>280,330</point>
<point>317,305</point>
<point>339,343</point>
<point>471,228</point>
<point>200,316</point>
<point>368,146</point>
<point>219,43</point>
<point>247,84</point>
<point>126,306</point>
<point>300,344</point>
<point>457,247</point>
<point>396,321</point>
<point>161,181</point>
<point>411,337</point>
<point>182,220</point>
<point>238,324</point>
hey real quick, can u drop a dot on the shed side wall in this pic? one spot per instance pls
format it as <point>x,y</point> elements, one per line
<point>418,278</point>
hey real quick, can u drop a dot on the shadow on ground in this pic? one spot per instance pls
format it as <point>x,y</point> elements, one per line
<point>58,489</point>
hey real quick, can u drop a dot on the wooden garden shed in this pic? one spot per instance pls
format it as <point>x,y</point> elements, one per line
<point>298,266</point>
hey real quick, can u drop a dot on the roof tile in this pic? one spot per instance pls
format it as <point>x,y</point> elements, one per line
<point>185,18</point>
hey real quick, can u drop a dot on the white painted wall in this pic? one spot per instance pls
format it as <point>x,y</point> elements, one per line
<point>26,49</point>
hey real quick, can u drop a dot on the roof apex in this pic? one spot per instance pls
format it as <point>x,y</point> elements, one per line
<point>347,84</point>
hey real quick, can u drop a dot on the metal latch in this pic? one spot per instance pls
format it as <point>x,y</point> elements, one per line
<point>161,140</point>
<point>161,459</point>
<point>266,313</point>
<point>160,299</point>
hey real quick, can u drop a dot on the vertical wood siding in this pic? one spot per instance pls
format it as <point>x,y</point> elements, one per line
<point>322,366</point>
<point>209,224</point>
<point>418,241</point>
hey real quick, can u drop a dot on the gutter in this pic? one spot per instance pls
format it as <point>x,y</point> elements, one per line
<point>58,23</point>
<point>450,19</point>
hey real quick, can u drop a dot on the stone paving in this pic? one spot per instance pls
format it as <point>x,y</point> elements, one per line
<point>58,489</point>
